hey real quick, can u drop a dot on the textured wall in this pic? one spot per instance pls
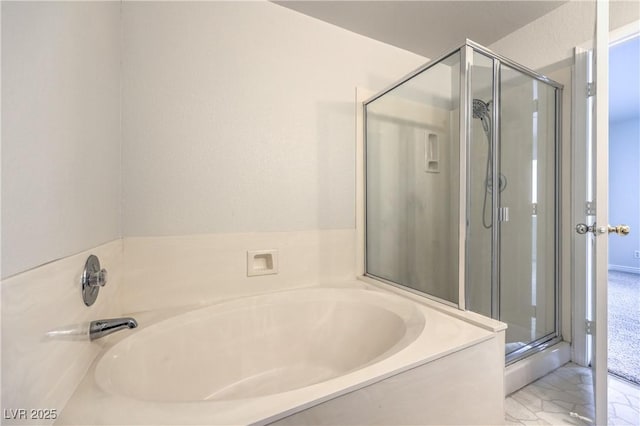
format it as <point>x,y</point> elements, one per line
<point>239,117</point>
<point>550,39</point>
<point>60,130</point>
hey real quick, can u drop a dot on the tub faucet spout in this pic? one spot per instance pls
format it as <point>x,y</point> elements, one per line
<point>104,327</point>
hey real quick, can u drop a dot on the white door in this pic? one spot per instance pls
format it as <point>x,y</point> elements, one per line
<point>590,182</point>
<point>590,207</point>
<point>589,246</point>
<point>601,185</point>
<point>598,231</point>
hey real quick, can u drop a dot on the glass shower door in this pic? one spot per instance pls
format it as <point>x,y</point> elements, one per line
<point>527,210</point>
<point>511,202</point>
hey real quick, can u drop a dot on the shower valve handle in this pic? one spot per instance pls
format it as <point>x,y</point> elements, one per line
<point>93,277</point>
<point>98,278</point>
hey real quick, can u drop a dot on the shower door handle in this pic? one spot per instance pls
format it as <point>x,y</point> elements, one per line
<point>503,214</point>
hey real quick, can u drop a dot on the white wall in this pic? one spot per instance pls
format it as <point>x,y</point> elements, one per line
<point>240,117</point>
<point>624,192</point>
<point>550,39</point>
<point>60,130</point>
<point>238,121</point>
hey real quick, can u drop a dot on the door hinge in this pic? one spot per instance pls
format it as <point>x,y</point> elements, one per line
<point>591,89</point>
<point>590,208</point>
<point>590,327</point>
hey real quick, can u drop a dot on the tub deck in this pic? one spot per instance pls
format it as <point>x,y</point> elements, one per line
<point>450,360</point>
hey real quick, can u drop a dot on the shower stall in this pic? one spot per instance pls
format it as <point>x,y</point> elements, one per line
<point>462,190</point>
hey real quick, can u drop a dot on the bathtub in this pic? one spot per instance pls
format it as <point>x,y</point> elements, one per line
<point>295,357</point>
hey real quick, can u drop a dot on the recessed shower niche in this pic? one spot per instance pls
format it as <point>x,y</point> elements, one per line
<point>461,190</point>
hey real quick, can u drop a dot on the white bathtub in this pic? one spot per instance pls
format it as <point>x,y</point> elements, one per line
<point>260,359</point>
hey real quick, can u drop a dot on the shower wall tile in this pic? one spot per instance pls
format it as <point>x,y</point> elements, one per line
<point>40,372</point>
<point>161,272</point>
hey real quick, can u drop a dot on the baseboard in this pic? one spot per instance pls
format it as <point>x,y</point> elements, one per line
<point>621,268</point>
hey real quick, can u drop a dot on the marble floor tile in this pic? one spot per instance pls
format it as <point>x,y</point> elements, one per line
<point>534,422</point>
<point>552,407</point>
<point>518,411</point>
<point>529,399</point>
<point>564,397</point>
<point>560,419</point>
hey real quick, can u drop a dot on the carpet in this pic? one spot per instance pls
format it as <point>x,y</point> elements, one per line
<point>624,325</point>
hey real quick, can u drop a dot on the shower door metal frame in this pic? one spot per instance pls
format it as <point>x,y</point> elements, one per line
<point>466,62</point>
<point>495,193</point>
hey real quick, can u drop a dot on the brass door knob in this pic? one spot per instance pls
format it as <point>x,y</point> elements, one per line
<point>620,229</point>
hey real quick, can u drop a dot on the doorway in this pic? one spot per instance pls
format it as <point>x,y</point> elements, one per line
<point>624,207</point>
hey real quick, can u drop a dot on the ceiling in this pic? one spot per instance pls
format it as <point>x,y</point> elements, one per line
<point>428,28</point>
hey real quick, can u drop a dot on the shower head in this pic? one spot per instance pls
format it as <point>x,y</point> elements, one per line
<point>480,109</point>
